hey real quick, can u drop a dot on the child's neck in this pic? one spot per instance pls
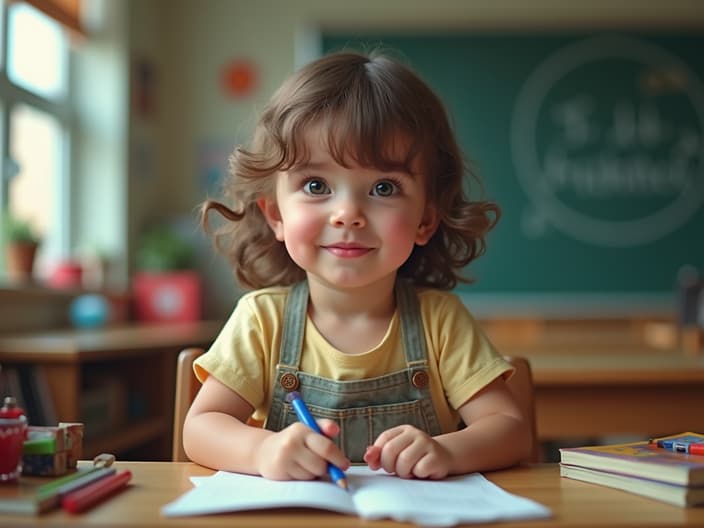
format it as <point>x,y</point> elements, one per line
<point>353,321</point>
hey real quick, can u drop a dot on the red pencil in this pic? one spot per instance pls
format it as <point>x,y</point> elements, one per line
<point>85,497</point>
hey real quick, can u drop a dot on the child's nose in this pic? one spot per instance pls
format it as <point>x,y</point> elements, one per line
<point>348,214</point>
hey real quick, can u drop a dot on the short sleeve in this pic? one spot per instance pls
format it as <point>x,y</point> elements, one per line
<point>240,357</point>
<point>467,361</point>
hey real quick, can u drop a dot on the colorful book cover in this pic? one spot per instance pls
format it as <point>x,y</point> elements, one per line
<point>643,459</point>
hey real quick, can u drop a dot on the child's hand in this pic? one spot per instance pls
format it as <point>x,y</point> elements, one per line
<point>299,453</point>
<point>408,452</point>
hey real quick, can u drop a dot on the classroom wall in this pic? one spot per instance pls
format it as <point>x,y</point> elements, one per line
<point>191,43</point>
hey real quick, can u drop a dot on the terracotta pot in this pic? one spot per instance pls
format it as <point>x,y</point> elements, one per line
<point>19,260</point>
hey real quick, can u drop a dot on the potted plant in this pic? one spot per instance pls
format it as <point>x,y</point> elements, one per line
<point>166,287</point>
<point>162,249</point>
<point>21,243</point>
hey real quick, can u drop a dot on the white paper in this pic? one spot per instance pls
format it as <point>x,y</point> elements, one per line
<point>372,495</point>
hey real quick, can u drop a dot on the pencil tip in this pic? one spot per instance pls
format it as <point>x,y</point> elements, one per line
<point>342,483</point>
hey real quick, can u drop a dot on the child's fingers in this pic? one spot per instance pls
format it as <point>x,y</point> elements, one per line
<point>324,448</point>
<point>329,428</point>
<point>310,461</point>
<point>399,451</point>
<point>387,436</point>
<point>391,450</point>
<point>330,451</point>
<point>408,458</point>
<point>372,456</point>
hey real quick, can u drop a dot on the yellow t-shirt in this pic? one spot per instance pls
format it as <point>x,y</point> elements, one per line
<point>462,360</point>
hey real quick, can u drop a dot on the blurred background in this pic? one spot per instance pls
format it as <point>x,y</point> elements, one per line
<point>583,119</point>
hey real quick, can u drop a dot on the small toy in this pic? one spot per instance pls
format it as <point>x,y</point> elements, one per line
<point>44,451</point>
<point>52,450</point>
<point>74,442</point>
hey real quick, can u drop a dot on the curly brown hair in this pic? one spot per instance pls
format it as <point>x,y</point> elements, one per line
<point>363,101</point>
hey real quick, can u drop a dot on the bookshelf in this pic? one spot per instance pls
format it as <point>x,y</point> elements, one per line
<point>140,360</point>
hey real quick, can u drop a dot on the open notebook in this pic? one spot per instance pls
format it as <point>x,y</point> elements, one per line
<point>372,495</point>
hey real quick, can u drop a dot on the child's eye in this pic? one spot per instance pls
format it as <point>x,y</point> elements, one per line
<point>315,186</point>
<point>385,188</point>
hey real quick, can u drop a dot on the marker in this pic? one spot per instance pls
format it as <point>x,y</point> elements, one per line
<point>87,496</point>
<point>88,478</point>
<point>678,446</point>
<point>53,491</point>
<point>294,398</point>
<point>54,486</point>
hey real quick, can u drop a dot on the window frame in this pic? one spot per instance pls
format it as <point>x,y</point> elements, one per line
<point>61,109</point>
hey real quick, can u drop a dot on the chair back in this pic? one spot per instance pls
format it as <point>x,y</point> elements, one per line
<point>187,385</point>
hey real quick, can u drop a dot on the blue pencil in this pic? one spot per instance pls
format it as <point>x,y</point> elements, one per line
<point>294,398</point>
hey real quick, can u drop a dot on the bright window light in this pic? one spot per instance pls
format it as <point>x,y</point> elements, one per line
<point>37,52</point>
<point>36,145</point>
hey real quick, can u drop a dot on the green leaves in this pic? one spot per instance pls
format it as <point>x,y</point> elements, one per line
<point>18,230</point>
<point>162,249</point>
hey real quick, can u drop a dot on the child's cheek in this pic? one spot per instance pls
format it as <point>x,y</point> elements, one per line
<point>301,238</point>
<point>303,229</point>
<point>400,232</point>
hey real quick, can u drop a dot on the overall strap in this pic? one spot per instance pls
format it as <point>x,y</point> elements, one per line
<point>289,352</point>
<point>411,324</point>
<point>295,313</point>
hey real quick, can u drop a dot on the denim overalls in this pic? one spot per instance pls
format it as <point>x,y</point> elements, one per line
<point>364,408</point>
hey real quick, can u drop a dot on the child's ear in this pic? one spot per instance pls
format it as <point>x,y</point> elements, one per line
<point>272,215</point>
<point>428,225</point>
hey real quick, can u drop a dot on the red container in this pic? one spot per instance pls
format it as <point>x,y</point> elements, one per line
<point>167,297</point>
<point>66,275</point>
<point>13,431</point>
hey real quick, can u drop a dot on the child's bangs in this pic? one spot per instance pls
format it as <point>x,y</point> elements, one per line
<point>369,141</point>
<point>385,148</point>
<point>364,116</point>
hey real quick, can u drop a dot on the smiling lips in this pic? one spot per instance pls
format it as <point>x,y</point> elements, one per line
<point>347,250</point>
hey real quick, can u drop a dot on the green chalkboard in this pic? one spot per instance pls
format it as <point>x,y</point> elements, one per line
<point>592,144</point>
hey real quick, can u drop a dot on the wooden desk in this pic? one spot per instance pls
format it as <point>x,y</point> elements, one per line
<point>142,357</point>
<point>605,377</point>
<point>646,394</point>
<point>573,504</point>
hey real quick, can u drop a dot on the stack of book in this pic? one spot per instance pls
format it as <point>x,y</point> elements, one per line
<point>669,469</point>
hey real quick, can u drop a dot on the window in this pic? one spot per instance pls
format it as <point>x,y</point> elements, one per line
<point>35,124</point>
<point>36,52</point>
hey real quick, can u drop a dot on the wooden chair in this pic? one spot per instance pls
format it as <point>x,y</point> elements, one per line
<point>521,384</point>
<point>187,386</point>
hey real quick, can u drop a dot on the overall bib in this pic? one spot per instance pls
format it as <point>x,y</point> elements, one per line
<point>362,408</point>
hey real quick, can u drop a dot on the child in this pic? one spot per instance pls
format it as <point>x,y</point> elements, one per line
<point>347,212</point>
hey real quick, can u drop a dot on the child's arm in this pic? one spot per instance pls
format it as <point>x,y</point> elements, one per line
<point>215,434</point>
<point>497,436</point>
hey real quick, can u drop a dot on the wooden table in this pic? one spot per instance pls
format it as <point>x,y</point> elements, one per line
<point>643,394</point>
<point>597,377</point>
<point>573,504</point>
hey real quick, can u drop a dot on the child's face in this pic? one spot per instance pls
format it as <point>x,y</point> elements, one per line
<point>348,227</point>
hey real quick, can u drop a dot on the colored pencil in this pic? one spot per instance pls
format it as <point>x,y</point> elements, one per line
<point>87,496</point>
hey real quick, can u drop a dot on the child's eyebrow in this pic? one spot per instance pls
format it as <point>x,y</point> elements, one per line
<point>325,165</point>
<point>311,165</point>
